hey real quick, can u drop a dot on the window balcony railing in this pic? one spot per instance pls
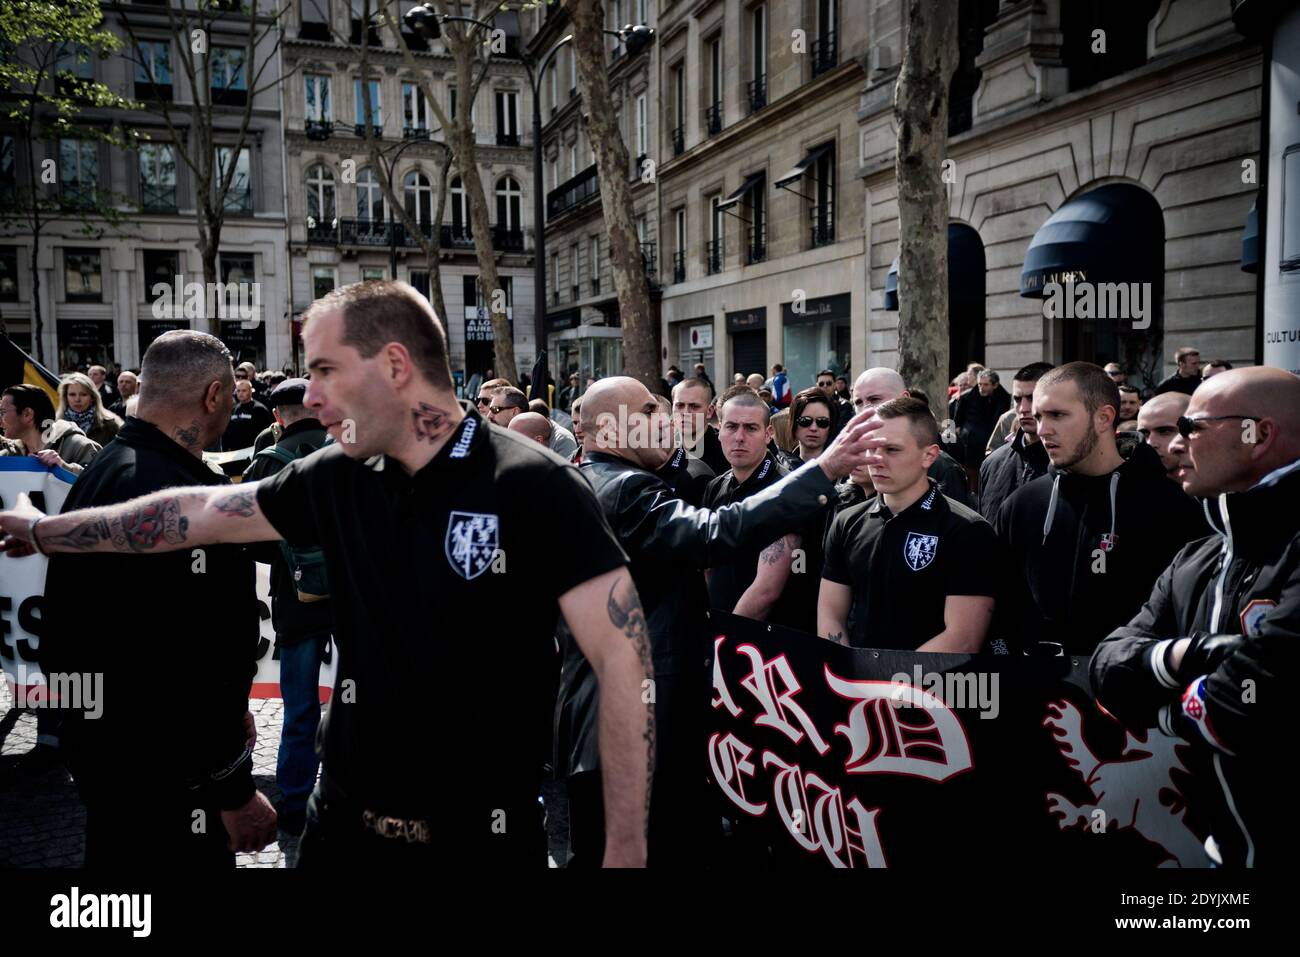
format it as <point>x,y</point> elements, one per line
<point>679,140</point>
<point>822,226</point>
<point>507,240</point>
<point>229,96</point>
<point>77,196</point>
<point>507,139</point>
<point>322,233</point>
<point>414,132</point>
<point>157,199</point>
<point>713,256</point>
<point>573,192</point>
<point>713,119</point>
<point>756,245</point>
<point>679,266</point>
<point>364,232</point>
<point>318,129</point>
<point>239,202</point>
<point>360,129</point>
<point>457,235</point>
<point>650,262</point>
<point>756,93</point>
<point>825,53</point>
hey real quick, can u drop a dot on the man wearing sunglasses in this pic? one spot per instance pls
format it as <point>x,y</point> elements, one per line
<point>1207,657</point>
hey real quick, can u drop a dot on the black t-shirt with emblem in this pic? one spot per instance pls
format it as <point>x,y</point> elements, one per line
<point>901,568</point>
<point>444,587</point>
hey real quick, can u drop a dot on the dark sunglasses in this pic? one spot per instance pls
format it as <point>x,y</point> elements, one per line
<point>482,401</point>
<point>1187,426</point>
<point>806,420</point>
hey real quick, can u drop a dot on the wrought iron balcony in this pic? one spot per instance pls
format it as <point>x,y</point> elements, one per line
<point>825,53</point>
<point>573,192</point>
<point>713,118</point>
<point>308,30</point>
<point>152,92</point>
<point>507,139</point>
<point>756,93</point>
<point>318,129</point>
<point>823,225</point>
<point>713,256</point>
<point>649,260</point>
<point>507,240</point>
<point>679,266</point>
<point>679,140</point>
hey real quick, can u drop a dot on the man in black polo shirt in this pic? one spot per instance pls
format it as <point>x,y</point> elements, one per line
<point>438,726</point>
<point>755,582</point>
<point>910,568</point>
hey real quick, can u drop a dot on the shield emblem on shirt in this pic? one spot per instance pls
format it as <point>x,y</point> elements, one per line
<point>919,550</point>
<point>471,542</point>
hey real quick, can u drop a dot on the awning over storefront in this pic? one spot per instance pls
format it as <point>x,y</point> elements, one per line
<point>803,166</point>
<point>965,270</point>
<point>1250,241</point>
<point>738,195</point>
<point>1108,234</point>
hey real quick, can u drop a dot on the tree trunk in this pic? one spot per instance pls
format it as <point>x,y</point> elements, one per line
<point>641,355</point>
<point>38,341</point>
<point>921,112</point>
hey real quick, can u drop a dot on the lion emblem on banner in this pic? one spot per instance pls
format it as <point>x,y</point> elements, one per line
<point>1125,789</point>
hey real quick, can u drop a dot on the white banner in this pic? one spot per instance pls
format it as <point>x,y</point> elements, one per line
<point>266,684</point>
<point>22,580</point>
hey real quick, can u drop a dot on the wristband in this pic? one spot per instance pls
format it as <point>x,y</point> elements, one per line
<point>31,531</point>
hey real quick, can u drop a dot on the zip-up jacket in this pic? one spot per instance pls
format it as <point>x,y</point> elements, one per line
<point>1087,550</point>
<point>1242,580</point>
<point>1006,469</point>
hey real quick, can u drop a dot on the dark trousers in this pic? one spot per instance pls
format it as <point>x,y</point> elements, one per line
<point>130,826</point>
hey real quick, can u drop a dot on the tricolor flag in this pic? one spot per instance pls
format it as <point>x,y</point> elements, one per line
<point>18,368</point>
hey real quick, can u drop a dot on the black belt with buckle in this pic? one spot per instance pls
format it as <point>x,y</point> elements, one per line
<point>389,827</point>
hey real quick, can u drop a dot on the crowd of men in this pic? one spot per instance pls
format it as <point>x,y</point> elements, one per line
<point>1063,517</point>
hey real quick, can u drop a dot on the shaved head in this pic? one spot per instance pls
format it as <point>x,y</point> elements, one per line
<point>534,425</point>
<point>876,387</point>
<point>1158,422</point>
<point>620,417</point>
<point>1231,454</point>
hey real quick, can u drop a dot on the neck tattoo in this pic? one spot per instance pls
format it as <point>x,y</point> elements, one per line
<point>187,437</point>
<point>431,423</point>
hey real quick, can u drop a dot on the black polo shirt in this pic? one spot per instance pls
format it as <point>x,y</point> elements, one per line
<point>797,606</point>
<point>902,567</point>
<point>444,588</point>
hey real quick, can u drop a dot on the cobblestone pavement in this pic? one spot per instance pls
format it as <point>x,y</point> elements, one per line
<point>42,821</point>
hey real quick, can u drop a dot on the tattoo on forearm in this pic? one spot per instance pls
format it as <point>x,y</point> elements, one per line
<point>625,613</point>
<point>187,437</point>
<point>86,535</point>
<point>141,528</point>
<point>431,423</point>
<point>239,505</point>
<point>773,553</point>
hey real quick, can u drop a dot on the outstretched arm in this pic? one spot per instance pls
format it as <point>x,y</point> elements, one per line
<point>164,521</point>
<point>605,616</point>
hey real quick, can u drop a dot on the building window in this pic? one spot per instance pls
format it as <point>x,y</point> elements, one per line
<point>370,197</point>
<point>713,249</point>
<point>679,241</point>
<point>642,132</point>
<point>573,72</point>
<point>756,89</point>
<point>160,266</point>
<point>822,214</point>
<point>8,274</point>
<point>322,281</point>
<point>755,212</point>
<point>315,20</point>
<point>459,208</point>
<point>825,49</point>
<point>713,113</point>
<point>417,195</point>
<point>1125,28</point>
<point>8,169</point>
<point>593,264</point>
<point>376,107</point>
<point>555,277</point>
<point>373,272</point>
<point>237,269</point>
<point>239,196</point>
<point>320,109</point>
<point>415,112</point>
<point>507,104</point>
<point>78,172</point>
<point>419,279</point>
<point>75,60</point>
<point>679,108</point>
<point>451,102</point>
<point>320,196</point>
<point>555,89</point>
<point>229,83</point>
<point>81,273</point>
<point>574,282</point>
<point>509,204</point>
<point>153,70</point>
<point>157,177</point>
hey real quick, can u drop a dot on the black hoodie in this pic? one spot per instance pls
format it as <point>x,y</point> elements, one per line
<point>1007,468</point>
<point>1087,550</point>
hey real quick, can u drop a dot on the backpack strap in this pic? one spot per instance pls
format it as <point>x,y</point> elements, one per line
<point>280,454</point>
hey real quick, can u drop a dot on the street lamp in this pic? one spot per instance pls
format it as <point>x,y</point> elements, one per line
<point>425,21</point>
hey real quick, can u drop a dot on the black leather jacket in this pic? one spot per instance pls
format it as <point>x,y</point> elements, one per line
<point>669,543</point>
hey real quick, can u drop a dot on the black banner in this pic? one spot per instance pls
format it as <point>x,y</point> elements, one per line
<point>823,755</point>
